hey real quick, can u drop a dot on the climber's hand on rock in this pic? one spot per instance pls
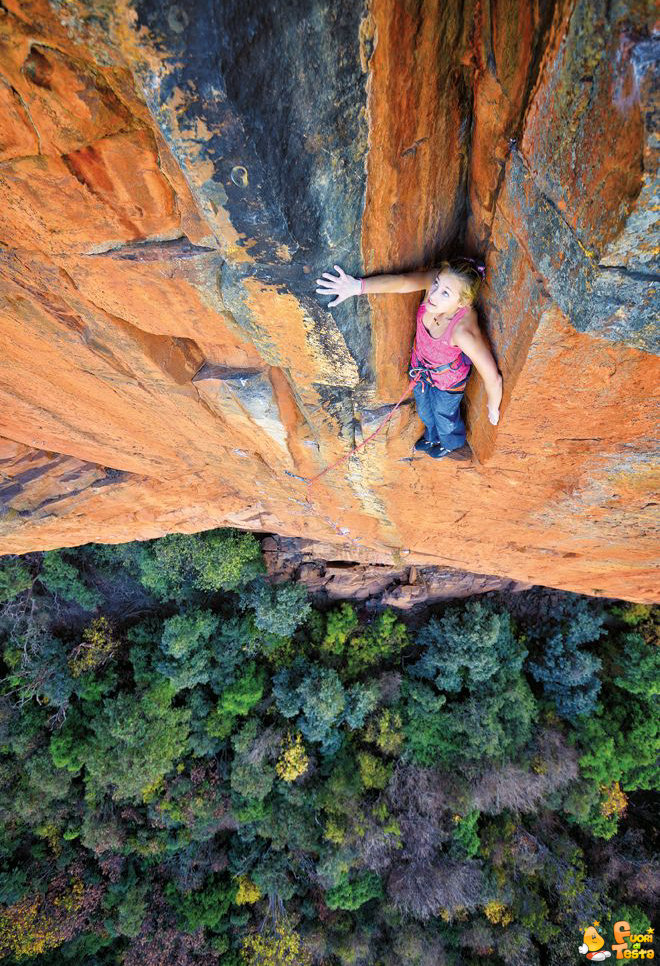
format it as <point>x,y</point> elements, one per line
<point>494,415</point>
<point>343,285</point>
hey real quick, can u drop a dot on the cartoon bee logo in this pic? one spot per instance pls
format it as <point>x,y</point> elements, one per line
<point>592,944</point>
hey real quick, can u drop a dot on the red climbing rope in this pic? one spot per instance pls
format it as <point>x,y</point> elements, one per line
<point>420,371</point>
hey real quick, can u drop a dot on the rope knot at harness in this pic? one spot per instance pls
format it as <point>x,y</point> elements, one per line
<point>424,373</point>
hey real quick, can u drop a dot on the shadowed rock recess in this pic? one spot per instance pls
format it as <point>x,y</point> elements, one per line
<point>173,178</point>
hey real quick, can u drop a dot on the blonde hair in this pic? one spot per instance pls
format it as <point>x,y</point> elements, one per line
<point>470,275</point>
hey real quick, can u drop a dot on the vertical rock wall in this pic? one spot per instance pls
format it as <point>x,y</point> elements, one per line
<point>173,178</point>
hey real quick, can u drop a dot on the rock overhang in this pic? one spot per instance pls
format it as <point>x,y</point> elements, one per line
<point>204,168</point>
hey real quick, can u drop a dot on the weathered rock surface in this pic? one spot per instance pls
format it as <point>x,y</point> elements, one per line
<point>173,178</point>
<point>403,587</point>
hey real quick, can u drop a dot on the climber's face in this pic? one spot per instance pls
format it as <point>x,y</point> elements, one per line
<point>444,294</point>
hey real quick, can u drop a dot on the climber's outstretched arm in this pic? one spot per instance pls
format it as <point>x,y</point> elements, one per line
<point>470,339</point>
<point>343,286</point>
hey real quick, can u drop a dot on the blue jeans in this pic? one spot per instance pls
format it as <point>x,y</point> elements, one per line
<point>440,411</point>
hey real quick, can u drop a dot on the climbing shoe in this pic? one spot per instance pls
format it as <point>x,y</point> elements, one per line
<point>437,451</point>
<point>423,444</point>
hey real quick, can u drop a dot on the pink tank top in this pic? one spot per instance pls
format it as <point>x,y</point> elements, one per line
<point>438,352</point>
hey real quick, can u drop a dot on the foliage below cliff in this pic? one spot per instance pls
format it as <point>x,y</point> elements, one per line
<point>199,768</point>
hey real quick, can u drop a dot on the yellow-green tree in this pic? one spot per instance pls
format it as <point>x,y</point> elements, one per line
<point>282,946</point>
<point>293,761</point>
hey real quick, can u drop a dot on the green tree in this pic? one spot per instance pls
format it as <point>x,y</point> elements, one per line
<point>465,833</point>
<point>183,633</point>
<point>569,677</point>
<point>62,579</point>
<point>186,643</point>
<point>205,908</point>
<point>136,741</point>
<point>236,701</point>
<point>67,745</point>
<point>620,743</point>
<point>380,641</point>
<point>353,648</point>
<point>467,647</point>
<point>341,622</point>
<point>253,769</point>
<point>494,725</point>
<point>14,578</point>
<point>424,721</point>
<point>373,772</point>
<point>274,877</point>
<point>40,670</point>
<point>277,610</point>
<point>361,699</point>
<point>216,560</point>
<point>228,560</point>
<point>568,673</point>
<point>318,694</point>
<point>351,893</point>
<point>237,638</point>
<point>638,666</point>
<point>126,904</point>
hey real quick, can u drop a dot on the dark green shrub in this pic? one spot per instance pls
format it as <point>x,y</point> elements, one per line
<point>14,578</point>
<point>350,894</point>
<point>467,646</point>
<point>277,610</point>
<point>62,579</point>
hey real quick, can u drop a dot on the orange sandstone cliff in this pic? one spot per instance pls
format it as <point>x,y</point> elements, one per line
<point>174,177</point>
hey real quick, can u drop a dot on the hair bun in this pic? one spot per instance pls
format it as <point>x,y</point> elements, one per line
<point>478,265</point>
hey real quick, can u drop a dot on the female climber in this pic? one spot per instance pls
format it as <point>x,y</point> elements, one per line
<point>447,341</point>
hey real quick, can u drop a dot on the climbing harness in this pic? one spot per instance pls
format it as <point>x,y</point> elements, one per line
<point>425,373</point>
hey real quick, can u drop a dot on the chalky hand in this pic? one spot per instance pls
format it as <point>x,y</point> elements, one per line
<point>494,415</point>
<point>342,285</point>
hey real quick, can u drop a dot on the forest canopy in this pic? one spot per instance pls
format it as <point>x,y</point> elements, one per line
<point>200,767</point>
